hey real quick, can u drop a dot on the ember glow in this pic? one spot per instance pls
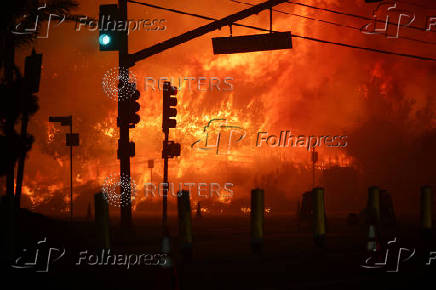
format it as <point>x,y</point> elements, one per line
<point>384,103</point>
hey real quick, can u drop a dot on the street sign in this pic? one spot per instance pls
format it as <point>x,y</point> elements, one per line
<point>250,43</point>
<point>151,163</point>
<point>65,121</point>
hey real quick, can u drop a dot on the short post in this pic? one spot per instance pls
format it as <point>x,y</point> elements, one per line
<point>257,219</point>
<point>319,216</point>
<point>101,213</point>
<point>198,210</point>
<point>373,207</point>
<point>185,224</point>
<point>426,211</point>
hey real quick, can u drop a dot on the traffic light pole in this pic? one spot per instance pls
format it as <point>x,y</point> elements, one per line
<point>71,175</point>
<point>165,193</point>
<point>124,154</point>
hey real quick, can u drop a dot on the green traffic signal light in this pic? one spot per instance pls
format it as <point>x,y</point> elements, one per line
<point>109,38</point>
<point>104,39</point>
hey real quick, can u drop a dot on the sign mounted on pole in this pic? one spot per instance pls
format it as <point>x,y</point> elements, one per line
<point>251,43</point>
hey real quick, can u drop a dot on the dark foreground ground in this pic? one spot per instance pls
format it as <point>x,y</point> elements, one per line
<point>222,257</point>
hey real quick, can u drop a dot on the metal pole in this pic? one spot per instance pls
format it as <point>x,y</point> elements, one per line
<point>313,173</point>
<point>71,174</point>
<point>124,154</point>
<point>165,193</point>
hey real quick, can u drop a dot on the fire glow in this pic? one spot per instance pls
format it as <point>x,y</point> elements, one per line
<point>272,91</point>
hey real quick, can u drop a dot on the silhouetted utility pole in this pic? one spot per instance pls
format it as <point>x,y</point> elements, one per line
<point>170,149</point>
<point>124,141</point>
<point>71,140</point>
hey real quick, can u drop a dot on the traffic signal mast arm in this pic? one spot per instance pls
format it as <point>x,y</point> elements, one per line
<point>218,24</point>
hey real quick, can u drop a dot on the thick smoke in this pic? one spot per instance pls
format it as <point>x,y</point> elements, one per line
<point>384,104</point>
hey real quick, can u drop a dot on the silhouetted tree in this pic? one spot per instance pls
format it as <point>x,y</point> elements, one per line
<point>14,19</point>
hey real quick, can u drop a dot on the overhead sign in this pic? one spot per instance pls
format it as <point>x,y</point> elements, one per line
<point>250,43</point>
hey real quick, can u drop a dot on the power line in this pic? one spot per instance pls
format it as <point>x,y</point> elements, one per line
<point>355,15</point>
<point>294,35</point>
<point>335,23</point>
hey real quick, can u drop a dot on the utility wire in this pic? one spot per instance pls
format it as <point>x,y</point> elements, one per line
<point>354,15</point>
<point>334,23</point>
<point>293,35</point>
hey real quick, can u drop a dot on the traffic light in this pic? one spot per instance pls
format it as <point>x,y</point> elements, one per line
<point>169,113</point>
<point>172,149</point>
<point>130,148</point>
<point>133,108</point>
<point>109,37</point>
<point>32,71</point>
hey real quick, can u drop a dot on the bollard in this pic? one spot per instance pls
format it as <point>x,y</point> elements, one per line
<point>89,213</point>
<point>426,210</point>
<point>372,239</point>
<point>198,210</point>
<point>101,213</point>
<point>319,216</point>
<point>185,223</point>
<point>373,207</point>
<point>257,219</point>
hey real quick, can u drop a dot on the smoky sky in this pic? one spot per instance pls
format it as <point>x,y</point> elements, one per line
<point>385,104</point>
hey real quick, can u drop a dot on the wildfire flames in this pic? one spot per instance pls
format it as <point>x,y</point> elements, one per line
<point>312,89</point>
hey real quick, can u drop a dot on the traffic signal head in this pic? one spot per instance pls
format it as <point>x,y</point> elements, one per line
<point>133,107</point>
<point>129,106</point>
<point>104,40</point>
<point>32,71</point>
<point>169,113</point>
<point>109,38</point>
<point>171,150</point>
